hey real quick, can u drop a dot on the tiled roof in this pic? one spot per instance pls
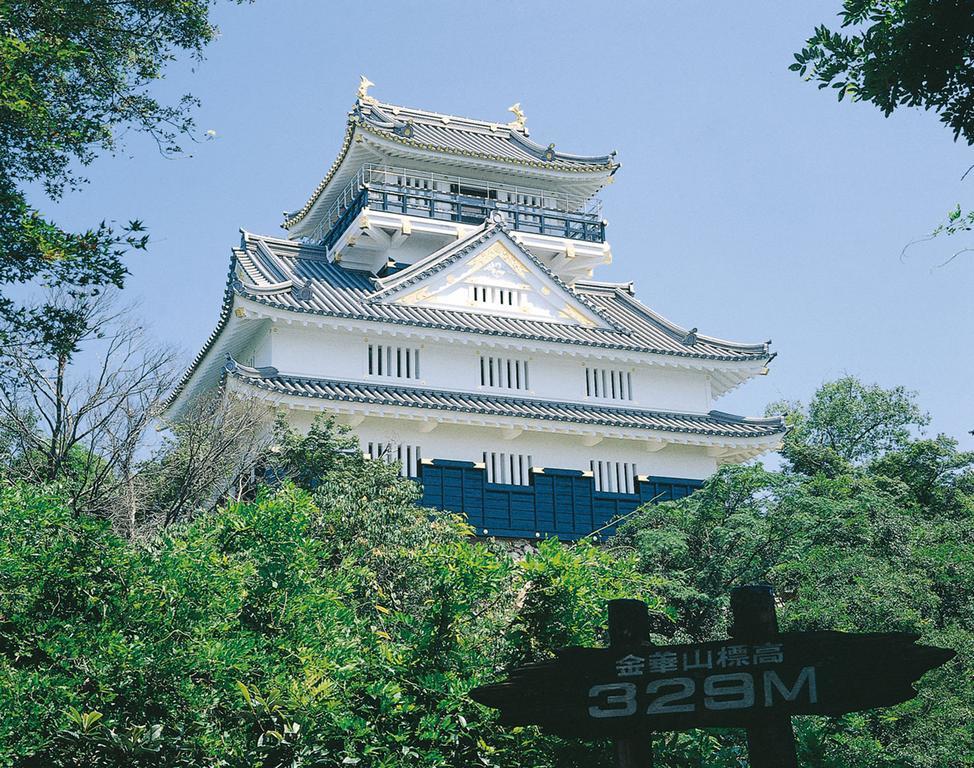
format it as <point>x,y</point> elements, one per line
<point>449,254</point>
<point>297,277</point>
<point>447,134</point>
<point>714,424</point>
<point>338,292</point>
<point>464,136</point>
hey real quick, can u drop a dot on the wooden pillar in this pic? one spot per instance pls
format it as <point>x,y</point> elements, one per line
<point>629,626</point>
<point>770,742</point>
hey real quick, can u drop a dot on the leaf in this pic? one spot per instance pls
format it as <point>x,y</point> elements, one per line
<point>245,692</point>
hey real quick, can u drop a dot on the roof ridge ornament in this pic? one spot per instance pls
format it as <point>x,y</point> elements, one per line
<point>406,130</point>
<point>497,217</point>
<point>363,90</point>
<point>519,123</point>
<point>249,371</point>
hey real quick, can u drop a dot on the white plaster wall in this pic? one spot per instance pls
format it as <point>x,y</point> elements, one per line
<point>468,443</point>
<point>312,352</point>
<point>263,353</point>
<point>319,353</point>
<point>414,248</point>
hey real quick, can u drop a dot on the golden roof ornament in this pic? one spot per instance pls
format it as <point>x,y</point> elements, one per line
<point>518,123</point>
<point>363,89</point>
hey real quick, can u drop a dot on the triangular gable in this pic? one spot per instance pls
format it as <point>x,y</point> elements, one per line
<point>490,273</point>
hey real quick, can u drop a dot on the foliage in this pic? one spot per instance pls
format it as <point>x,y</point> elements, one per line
<point>305,459</point>
<point>74,76</point>
<point>956,222</point>
<point>341,627</point>
<point>848,422</point>
<point>895,53</point>
<point>83,429</point>
<point>206,457</point>
<point>877,538</point>
<point>902,53</point>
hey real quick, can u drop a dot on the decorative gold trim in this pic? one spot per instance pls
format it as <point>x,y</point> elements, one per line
<point>416,296</point>
<point>519,123</point>
<point>571,313</point>
<point>363,89</point>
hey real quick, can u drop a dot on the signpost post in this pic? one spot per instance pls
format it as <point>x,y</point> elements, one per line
<point>755,680</point>
<point>628,626</point>
<point>771,742</point>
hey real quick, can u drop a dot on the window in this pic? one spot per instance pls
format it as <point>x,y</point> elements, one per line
<point>608,384</point>
<point>495,297</point>
<point>504,373</point>
<point>614,476</point>
<point>415,182</point>
<point>532,201</point>
<point>508,468</point>
<point>409,456</point>
<point>468,191</point>
<point>394,361</point>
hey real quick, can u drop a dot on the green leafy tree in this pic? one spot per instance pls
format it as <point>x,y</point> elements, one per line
<point>848,422</point>
<point>74,76</point>
<point>899,53</point>
<point>876,538</point>
<point>339,627</point>
<point>902,53</point>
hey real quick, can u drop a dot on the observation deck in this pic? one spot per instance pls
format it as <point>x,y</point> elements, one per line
<point>442,197</point>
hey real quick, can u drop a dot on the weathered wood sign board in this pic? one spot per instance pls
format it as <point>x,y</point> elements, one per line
<point>640,688</point>
<point>755,680</point>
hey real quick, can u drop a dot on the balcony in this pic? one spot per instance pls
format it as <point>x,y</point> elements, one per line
<point>467,201</point>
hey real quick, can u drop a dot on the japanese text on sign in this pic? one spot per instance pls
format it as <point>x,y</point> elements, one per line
<point>725,657</point>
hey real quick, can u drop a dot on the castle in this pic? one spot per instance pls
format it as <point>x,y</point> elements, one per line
<point>435,293</point>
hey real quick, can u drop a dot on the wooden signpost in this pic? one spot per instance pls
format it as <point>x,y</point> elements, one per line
<point>757,679</point>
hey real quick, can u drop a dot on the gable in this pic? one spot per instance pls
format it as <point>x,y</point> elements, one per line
<point>490,275</point>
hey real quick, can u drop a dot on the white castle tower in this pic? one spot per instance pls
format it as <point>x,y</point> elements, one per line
<point>435,294</point>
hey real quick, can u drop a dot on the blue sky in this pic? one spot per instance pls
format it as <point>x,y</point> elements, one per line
<point>749,204</point>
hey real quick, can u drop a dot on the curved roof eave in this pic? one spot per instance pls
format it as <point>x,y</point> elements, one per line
<point>713,424</point>
<point>222,321</point>
<point>603,165</point>
<point>335,292</point>
<point>562,163</point>
<point>392,117</point>
<point>758,348</point>
<point>536,170</point>
<point>263,300</point>
<point>290,219</point>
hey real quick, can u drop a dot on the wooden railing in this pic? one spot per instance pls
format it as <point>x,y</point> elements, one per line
<point>467,202</point>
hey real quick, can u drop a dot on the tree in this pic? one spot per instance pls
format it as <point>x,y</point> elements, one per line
<point>876,537</point>
<point>212,454</point>
<point>913,53</point>
<point>74,76</point>
<point>339,627</point>
<point>83,429</point>
<point>909,53</point>
<point>848,422</point>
